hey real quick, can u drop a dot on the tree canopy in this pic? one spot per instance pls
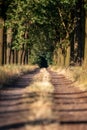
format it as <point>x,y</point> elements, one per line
<point>41,26</point>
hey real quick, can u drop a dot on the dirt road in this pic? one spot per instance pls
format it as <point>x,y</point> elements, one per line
<point>64,109</point>
<point>70,104</point>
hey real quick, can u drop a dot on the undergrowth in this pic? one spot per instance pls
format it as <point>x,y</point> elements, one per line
<point>77,74</point>
<point>10,72</point>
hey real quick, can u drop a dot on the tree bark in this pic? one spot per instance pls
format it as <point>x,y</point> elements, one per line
<point>85,49</point>
<point>1,40</point>
<point>67,60</point>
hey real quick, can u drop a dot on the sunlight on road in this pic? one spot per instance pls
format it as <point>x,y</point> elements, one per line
<point>41,113</point>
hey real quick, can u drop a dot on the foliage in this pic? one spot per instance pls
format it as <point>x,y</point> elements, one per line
<point>85,6</point>
<point>40,24</point>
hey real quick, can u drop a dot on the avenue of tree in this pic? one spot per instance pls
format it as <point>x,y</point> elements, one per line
<point>53,29</point>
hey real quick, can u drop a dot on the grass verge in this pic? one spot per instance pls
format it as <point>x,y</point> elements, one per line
<point>77,74</point>
<point>41,83</point>
<point>10,72</point>
<point>40,92</point>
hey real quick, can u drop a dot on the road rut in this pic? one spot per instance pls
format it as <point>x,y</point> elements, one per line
<point>69,105</point>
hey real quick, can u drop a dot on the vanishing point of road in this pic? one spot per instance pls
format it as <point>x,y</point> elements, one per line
<point>69,105</point>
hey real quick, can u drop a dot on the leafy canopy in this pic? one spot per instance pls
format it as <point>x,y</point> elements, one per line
<point>40,24</point>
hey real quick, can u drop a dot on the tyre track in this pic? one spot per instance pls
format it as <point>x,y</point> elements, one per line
<point>70,104</point>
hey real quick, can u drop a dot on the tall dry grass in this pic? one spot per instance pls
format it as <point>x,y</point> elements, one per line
<point>77,74</point>
<point>41,82</point>
<point>10,72</point>
<point>41,108</point>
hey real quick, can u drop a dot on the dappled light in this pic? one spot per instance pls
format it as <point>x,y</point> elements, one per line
<point>42,99</point>
<point>43,64</point>
<point>28,106</point>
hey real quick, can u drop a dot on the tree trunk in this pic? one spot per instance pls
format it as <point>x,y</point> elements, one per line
<point>85,49</point>
<point>9,40</point>
<point>1,40</point>
<point>60,58</point>
<point>67,60</point>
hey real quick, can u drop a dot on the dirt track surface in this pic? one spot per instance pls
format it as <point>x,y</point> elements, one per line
<point>68,109</point>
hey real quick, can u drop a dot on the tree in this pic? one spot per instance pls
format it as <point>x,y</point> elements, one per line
<point>85,49</point>
<point>43,27</point>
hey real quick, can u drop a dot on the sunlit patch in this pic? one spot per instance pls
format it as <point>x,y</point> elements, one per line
<point>41,111</point>
<point>9,72</point>
<point>77,74</point>
<point>41,87</point>
<point>42,82</point>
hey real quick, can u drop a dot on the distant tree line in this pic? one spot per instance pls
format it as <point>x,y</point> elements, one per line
<point>55,30</point>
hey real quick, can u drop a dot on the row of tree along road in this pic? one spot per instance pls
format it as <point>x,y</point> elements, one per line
<point>55,30</point>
